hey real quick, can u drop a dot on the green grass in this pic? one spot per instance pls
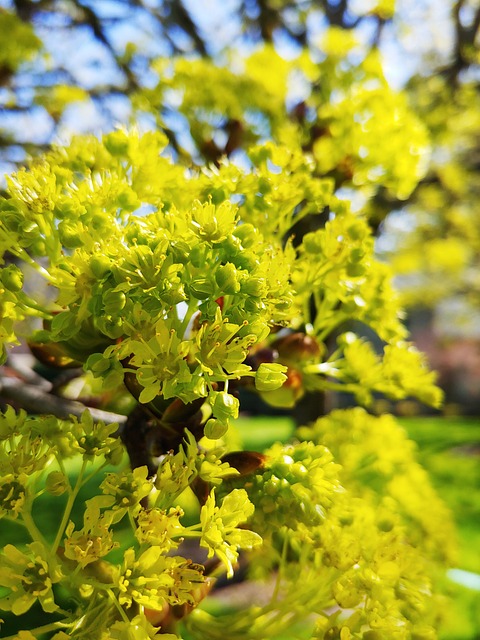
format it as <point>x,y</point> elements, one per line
<point>449,448</point>
<point>258,433</point>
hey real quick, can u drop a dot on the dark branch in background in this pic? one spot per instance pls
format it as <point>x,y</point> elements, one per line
<point>465,37</point>
<point>267,20</point>
<point>180,17</point>
<point>378,31</point>
<point>37,401</point>
<point>300,37</point>
<point>337,14</point>
<point>22,365</point>
<point>26,9</point>
<point>95,24</point>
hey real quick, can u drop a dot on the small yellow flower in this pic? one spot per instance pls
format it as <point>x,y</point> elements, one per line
<point>124,492</point>
<point>13,490</point>
<point>155,580</point>
<point>157,527</point>
<point>29,577</point>
<point>88,544</point>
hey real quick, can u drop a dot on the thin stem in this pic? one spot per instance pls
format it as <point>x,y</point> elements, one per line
<point>90,618</point>
<point>53,626</point>
<point>32,305</point>
<point>283,561</point>
<point>23,255</point>
<point>322,335</point>
<point>32,528</point>
<point>113,598</point>
<point>132,522</point>
<point>59,460</point>
<point>190,532</point>
<point>69,507</point>
<point>94,473</point>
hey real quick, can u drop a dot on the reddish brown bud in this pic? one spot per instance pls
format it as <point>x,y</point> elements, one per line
<point>297,346</point>
<point>245,462</point>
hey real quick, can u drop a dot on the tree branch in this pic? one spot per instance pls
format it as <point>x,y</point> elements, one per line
<point>465,37</point>
<point>96,26</point>
<point>37,401</point>
<point>181,17</point>
<point>337,14</point>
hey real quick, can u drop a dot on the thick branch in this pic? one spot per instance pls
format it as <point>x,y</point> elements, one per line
<point>465,37</point>
<point>181,17</point>
<point>267,20</point>
<point>36,401</point>
<point>96,25</point>
<point>338,15</point>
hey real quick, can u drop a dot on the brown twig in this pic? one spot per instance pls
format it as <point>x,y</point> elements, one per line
<point>37,401</point>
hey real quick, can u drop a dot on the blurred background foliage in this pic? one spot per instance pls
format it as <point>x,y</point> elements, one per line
<point>332,76</point>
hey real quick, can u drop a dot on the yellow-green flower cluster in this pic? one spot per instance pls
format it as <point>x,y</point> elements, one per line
<point>174,279</point>
<point>93,439</point>
<point>363,517</point>
<point>86,560</point>
<point>21,42</point>
<point>297,487</point>
<point>183,285</point>
<point>28,577</point>
<point>378,461</point>
<point>339,124</point>
<point>137,628</point>
<point>220,532</point>
<point>155,580</point>
<point>23,455</point>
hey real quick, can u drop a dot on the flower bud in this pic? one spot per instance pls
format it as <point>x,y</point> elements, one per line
<point>114,301</point>
<point>39,247</point>
<point>116,143</point>
<point>255,287</point>
<point>70,235</point>
<point>56,483</point>
<point>201,288</point>
<point>247,235</point>
<point>286,396</point>
<point>100,265</point>
<point>12,278</point>
<point>224,406</point>
<point>270,376</point>
<point>357,230</point>
<point>227,278</point>
<point>355,270</point>
<point>215,429</point>
<point>174,294</point>
<point>356,254</point>
<point>127,199</point>
<point>98,363</point>
<point>312,242</point>
<point>197,256</point>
